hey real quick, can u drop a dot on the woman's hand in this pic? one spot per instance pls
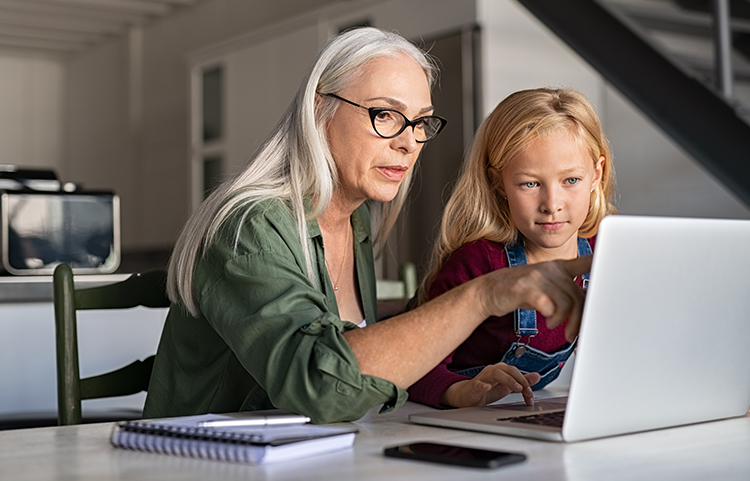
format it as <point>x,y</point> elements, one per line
<point>547,287</point>
<point>493,383</point>
<point>404,348</point>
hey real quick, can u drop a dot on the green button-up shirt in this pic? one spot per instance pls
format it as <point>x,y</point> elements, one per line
<point>267,337</point>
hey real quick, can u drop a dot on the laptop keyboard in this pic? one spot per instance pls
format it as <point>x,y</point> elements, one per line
<point>553,419</point>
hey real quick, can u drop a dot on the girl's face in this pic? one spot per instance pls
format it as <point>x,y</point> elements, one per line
<point>548,186</point>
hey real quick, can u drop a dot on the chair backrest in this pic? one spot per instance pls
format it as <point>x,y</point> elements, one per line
<point>146,289</point>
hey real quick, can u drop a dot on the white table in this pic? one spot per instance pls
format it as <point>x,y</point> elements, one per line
<point>710,451</point>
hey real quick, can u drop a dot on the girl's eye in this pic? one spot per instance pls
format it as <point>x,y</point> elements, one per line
<point>529,185</point>
<point>572,180</point>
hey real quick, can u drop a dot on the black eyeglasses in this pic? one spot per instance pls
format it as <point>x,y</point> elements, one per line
<point>389,123</point>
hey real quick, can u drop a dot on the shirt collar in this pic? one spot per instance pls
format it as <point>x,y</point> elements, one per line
<point>359,228</point>
<point>360,218</point>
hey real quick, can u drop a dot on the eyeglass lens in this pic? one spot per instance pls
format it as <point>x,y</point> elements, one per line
<point>390,123</point>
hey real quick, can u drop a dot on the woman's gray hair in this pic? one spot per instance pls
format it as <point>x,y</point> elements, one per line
<point>295,163</point>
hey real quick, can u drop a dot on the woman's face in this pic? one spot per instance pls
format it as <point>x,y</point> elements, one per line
<point>369,166</point>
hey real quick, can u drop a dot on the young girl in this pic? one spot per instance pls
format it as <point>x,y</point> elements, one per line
<point>536,184</point>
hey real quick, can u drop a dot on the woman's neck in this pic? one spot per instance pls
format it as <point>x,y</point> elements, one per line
<point>336,229</point>
<point>336,217</point>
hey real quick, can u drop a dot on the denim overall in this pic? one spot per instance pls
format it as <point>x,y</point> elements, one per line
<point>524,357</point>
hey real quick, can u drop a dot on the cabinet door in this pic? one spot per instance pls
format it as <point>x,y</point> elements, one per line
<point>238,97</point>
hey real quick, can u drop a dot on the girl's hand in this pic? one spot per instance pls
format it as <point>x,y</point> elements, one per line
<point>493,383</point>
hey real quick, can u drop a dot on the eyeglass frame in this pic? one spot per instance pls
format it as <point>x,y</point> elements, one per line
<point>374,111</point>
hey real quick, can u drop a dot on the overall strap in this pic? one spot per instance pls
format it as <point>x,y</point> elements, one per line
<point>584,249</point>
<point>524,320</point>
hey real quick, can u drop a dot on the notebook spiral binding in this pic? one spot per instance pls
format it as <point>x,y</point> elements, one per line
<point>194,442</point>
<point>254,445</point>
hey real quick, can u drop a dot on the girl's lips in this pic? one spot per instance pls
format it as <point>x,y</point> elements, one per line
<point>551,225</point>
<point>394,172</point>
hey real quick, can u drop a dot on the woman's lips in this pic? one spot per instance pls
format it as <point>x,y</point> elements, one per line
<point>394,172</point>
<point>551,225</point>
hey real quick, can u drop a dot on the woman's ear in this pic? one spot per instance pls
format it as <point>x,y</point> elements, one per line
<point>318,102</point>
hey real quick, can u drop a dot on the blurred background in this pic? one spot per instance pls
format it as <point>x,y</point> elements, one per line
<point>158,100</point>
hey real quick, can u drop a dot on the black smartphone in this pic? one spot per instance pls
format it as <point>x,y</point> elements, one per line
<point>457,455</point>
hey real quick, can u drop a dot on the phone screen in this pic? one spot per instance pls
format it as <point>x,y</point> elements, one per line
<point>447,454</point>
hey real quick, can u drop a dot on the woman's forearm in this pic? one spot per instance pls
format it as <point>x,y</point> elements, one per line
<point>404,348</point>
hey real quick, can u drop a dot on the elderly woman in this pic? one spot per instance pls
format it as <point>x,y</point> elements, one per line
<point>272,279</point>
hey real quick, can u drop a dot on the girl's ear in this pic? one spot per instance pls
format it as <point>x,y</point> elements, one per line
<point>496,180</point>
<point>598,172</point>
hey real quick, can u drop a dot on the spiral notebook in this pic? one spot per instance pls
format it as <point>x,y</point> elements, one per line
<point>225,438</point>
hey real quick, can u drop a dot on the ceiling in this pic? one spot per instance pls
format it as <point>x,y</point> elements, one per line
<point>61,27</point>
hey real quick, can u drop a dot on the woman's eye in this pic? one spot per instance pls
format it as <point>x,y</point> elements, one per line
<point>385,116</point>
<point>572,181</point>
<point>529,185</point>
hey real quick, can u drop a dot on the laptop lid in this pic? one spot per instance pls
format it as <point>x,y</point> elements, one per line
<point>664,334</point>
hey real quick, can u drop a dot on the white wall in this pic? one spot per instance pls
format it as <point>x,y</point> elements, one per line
<point>654,176</point>
<point>261,80</point>
<point>28,377</point>
<point>85,118</point>
<point>264,68</point>
<point>145,156</point>
<point>31,111</point>
<point>130,133</point>
<point>99,152</point>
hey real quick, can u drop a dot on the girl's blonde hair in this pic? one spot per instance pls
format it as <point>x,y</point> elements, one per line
<point>476,211</point>
<point>295,164</point>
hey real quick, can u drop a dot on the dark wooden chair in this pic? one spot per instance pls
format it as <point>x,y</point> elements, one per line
<point>146,289</point>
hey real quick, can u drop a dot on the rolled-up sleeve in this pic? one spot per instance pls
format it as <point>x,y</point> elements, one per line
<point>283,333</point>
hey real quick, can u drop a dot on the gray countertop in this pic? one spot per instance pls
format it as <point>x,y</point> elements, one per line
<point>39,288</point>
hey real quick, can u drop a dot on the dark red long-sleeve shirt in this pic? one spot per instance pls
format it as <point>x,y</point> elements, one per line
<point>489,342</point>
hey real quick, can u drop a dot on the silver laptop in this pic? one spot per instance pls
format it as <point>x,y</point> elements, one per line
<point>664,341</point>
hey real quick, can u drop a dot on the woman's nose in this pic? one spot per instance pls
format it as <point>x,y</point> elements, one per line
<point>406,141</point>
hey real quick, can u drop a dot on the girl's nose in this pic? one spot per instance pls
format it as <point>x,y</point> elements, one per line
<point>551,201</point>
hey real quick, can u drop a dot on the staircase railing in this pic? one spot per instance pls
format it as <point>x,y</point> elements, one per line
<point>702,122</point>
